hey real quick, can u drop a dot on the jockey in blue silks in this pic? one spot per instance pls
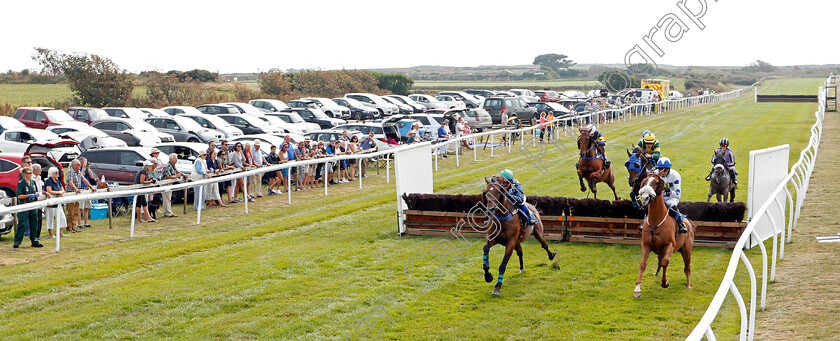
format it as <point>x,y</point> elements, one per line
<point>517,195</point>
<point>597,139</point>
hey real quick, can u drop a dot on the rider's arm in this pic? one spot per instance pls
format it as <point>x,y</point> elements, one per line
<point>730,158</point>
<point>656,152</point>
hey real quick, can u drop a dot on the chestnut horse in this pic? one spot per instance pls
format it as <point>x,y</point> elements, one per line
<point>508,230</point>
<point>638,166</point>
<point>591,167</point>
<point>659,233</point>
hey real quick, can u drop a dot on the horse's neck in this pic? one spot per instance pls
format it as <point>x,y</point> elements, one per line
<point>657,211</point>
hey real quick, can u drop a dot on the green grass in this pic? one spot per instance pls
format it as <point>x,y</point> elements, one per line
<point>17,95</point>
<point>318,268</point>
<point>505,84</point>
<point>794,86</point>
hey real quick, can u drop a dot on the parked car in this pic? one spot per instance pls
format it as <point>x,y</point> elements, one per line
<point>9,123</point>
<point>330,107</point>
<point>178,110</point>
<point>317,116</point>
<point>10,165</point>
<point>152,112</point>
<point>120,165</point>
<point>125,112</point>
<point>218,109</point>
<point>7,221</point>
<point>384,108</point>
<point>483,93</point>
<point>358,110</point>
<point>380,133</point>
<point>293,118</point>
<point>88,137</point>
<point>476,118</point>
<point>547,96</point>
<point>246,108</point>
<point>250,124</point>
<point>86,115</point>
<point>573,94</point>
<point>509,105</point>
<point>402,125</point>
<point>428,101</point>
<point>215,123</point>
<point>403,108</point>
<point>42,117</point>
<point>20,140</point>
<point>329,134</point>
<point>469,100</point>
<point>268,140</point>
<point>184,129</point>
<point>673,94</point>
<point>558,109</point>
<point>450,102</point>
<point>296,103</point>
<point>430,121</point>
<point>269,105</point>
<point>133,132</point>
<point>418,108</point>
<point>528,95</point>
<point>286,127</point>
<point>187,152</point>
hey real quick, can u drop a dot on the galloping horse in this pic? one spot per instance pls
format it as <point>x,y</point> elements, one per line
<point>510,231</point>
<point>638,166</point>
<point>659,231</point>
<point>591,167</point>
<point>721,183</point>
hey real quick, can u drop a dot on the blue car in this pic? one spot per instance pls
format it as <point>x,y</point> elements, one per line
<point>402,125</point>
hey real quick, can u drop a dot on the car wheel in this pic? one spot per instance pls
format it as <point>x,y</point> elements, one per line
<point>381,113</point>
<point>193,139</point>
<point>358,116</point>
<point>9,193</point>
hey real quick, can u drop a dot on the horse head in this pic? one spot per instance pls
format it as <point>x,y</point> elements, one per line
<point>652,187</point>
<point>493,196</point>
<point>584,143</point>
<point>634,168</point>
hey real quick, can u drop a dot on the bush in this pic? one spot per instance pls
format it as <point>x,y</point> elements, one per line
<point>97,81</point>
<point>396,83</point>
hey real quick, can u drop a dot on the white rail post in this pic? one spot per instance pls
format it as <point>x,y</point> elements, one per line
<point>475,152</point>
<point>134,214</point>
<point>509,142</point>
<point>388,169</point>
<point>245,190</point>
<point>437,155</point>
<point>289,183</point>
<point>200,195</point>
<point>359,162</point>
<point>492,145</point>
<point>458,154</point>
<point>327,178</point>
<point>57,227</point>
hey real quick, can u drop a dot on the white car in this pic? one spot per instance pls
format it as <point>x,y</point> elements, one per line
<point>177,110</point>
<point>215,123</point>
<point>250,124</point>
<point>246,108</point>
<point>18,140</point>
<point>384,107</point>
<point>332,109</point>
<point>451,102</point>
<point>88,137</point>
<point>139,133</point>
<point>430,121</point>
<point>152,112</point>
<point>528,95</point>
<point>126,112</point>
<point>267,140</point>
<point>7,122</point>
<point>428,101</point>
<point>269,105</point>
<point>285,126</point>
<point>294,118</point>
<point>365,128</point>
<point>673,94</point>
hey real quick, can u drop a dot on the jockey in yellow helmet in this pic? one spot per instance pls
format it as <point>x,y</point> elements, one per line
<point>650,145</point>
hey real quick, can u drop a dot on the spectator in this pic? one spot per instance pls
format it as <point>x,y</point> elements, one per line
<point>368,143</point>
<point>199,172</point>
<point>27,192</point>
<point>275,178</point>
<point>36,176</point>
<point>303,171</point>
<point>284,173</point>
<point>238,162</point>
<point>292,155</point>
<point>504,119</point>
<point>329,151</point>
<point>224,158</point>
<point>410,137</point>
<point>443,136</point>
<point>90,176</point>
<point>249,162</point>
<point>74,180</point>
<point>55,215</point>
<point>341,149</point>
<point>211,148</point>
<point>211,191</point>
<point>158,163</point>
<point>460,129</point>
<point>170,171</point>
<point>319,152</point>
<point>142,177</point>
<point>543,120</point>
<point>550,128</point>
<point>258,161</point>
<point>353,148</point>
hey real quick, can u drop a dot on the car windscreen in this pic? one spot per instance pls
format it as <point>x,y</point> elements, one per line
<point>493,103</point>
<point>294,118</point>
<point>188,123</point>
<point>135,113</point>
<point>141,125</point>
<point>438,119</point>
<point>58,116</point>
<point>254,121</point>
<point>319,114</point>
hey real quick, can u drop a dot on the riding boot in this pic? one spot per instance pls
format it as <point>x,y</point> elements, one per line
<point>733,175</point>
<point>709,177</point>
<point>680,223</point>
<point>529,217</point>
<point>606,163</point>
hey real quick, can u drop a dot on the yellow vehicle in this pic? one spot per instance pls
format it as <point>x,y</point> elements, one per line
<point>661,86</point>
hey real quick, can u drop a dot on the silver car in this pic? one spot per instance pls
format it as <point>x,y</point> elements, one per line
<point>329,107</point>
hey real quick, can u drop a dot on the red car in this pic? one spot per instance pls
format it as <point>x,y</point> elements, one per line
<point>548,96</point>
<point>10,165</point>
<point>42,117</point>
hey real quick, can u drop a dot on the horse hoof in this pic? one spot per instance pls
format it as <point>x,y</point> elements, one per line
<point>522,270</point>
<point>583,189</point>
<point>551,255</point>
<point>497,293</point>
<point>666,284</point>
<point>637,294</point>
<point>488,277</point>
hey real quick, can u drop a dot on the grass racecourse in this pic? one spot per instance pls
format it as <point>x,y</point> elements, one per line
<point>334,268</point>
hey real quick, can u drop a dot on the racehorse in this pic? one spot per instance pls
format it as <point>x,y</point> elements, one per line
<point>509,231</point>
<point>659,233</point>
<point>638,166</point>
<point>591,167</point>
<point>721,183</point>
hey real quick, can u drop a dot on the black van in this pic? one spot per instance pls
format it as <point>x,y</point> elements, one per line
<point>510,105</point>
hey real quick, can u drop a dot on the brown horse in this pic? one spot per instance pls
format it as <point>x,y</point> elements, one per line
<point>659,233</point>
<point>591,167</point>
<point>638,166</point>
<point>509,231</point>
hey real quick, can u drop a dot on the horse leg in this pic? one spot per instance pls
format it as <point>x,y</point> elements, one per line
<point>488,277</point>
<point>593,187</point>
<point>658,264</point>
<point>709,198</point>
<point>686,254</point>
<point>732,195</point>
<point>645,253</point>
<point>582,187</point>
<point>540,235</point>
<point>611,182</point>
<point>718,196</point>
<point>666,259</point>
<point>518,250</point>
<point>508,251</point>
<point>725,196</point>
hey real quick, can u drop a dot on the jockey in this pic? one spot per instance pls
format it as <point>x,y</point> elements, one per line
<point>729,160</point>
<point>672,192</point>
<point>650,145</point>
<point>598,139</point>
<point>517,195</point>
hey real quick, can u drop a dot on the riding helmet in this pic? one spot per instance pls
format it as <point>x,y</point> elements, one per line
<point>663,162</point>
<point>650,138</point>
<point>507,174</point>
<point>644,133</point>
<point>587,128</point>
<point>724,142</point>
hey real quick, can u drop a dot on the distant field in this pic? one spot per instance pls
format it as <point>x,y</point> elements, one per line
<point>795,86</point>
<point>17,95</point>
<point>506,84</point>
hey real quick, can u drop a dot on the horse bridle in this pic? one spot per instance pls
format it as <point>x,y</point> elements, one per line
<point>591,145</point>
<point>503,197</point>
<point>658,178</point>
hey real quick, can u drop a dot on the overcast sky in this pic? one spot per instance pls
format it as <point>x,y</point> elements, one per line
<point>249,36</point>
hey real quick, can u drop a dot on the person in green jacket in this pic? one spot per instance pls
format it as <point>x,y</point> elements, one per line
<point>27,191</point>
